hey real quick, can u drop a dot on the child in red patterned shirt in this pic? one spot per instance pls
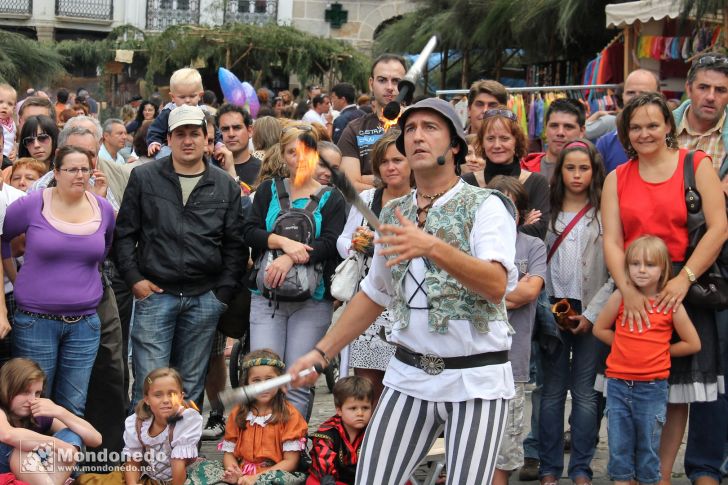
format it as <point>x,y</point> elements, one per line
<point>338,440</point>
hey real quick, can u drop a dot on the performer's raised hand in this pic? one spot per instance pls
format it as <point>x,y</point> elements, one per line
<point>406,241</point>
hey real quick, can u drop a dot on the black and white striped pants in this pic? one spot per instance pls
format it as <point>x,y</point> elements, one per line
<point>404,428</point>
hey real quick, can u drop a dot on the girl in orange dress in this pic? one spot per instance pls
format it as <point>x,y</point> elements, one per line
<point>263,439</point>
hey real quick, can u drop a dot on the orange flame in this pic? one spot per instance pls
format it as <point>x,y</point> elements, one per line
<point>307,160</point>
<point>176,401</point>
<point>387,124</point>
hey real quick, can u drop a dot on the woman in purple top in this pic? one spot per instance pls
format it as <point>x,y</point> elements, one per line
<point>68,231</point>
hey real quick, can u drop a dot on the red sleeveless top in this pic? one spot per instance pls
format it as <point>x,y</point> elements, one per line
<point>641,356</point>
<point>657,209</point>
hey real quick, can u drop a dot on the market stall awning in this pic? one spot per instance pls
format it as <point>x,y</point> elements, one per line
<point>621,15</point>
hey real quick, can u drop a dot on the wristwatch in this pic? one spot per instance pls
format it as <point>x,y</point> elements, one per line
<point>691,275</point>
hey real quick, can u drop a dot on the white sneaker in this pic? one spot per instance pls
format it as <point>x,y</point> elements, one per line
<point>214,429</point>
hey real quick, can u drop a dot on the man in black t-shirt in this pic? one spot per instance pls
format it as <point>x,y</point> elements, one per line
<point>236,127</point>
<point>361,134</point>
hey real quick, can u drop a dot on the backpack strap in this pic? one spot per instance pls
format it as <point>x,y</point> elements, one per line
<point>283,198</point>
<point>315,199</point>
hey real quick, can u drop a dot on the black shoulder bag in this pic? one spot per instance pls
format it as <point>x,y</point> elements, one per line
<point>711,289</point>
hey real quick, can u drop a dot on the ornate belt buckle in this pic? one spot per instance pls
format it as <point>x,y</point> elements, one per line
<point>432,364</point>
<point>71,319</point>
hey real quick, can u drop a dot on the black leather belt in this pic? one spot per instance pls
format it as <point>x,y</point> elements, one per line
<point>433,365</point>
<point>60,318</point>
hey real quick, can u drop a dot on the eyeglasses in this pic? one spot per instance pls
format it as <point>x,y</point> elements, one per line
<point>506,113</point>
<point>710,60</point>
<point>76,171</point>
<point>42,138</point>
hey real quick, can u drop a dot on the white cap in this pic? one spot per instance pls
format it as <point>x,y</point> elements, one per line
<point>186,115</point>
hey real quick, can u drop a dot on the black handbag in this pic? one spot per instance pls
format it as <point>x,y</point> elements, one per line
<point>711,289</point>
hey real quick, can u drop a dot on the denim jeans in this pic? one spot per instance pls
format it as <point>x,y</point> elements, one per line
<point>174,331</point>
<point>291,331</point>
<point>65,351</point>
<point>572,367</point>
<point>64,434</point>
<point>530,444</point>
<point>635,416</point>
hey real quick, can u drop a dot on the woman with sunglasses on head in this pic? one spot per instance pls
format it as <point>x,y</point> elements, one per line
<point>57,290</point>
<point>38,139</point>
<point>502,143</point>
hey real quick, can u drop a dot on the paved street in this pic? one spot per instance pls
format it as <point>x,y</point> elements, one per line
<point>324,407</point>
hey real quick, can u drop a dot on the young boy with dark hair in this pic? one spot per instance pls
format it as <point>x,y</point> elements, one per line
<point>337,442</point>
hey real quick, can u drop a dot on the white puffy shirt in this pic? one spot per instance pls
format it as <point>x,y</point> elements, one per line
<point>187,433</point>
<point>493,238</point>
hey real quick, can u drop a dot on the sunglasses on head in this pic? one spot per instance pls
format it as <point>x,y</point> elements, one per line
<point>506,113</point>
<point>711,60</point>
<point>42,138</point>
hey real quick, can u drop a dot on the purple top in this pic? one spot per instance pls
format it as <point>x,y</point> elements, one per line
<point>60,274</point>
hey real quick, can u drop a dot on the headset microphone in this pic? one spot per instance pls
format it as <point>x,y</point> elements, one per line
<point>441,159</point>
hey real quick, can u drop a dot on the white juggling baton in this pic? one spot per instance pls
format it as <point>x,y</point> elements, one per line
<point>248,394</point>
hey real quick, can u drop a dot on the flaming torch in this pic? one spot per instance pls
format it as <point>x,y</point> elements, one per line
<point>407,84</point>
<point>349,192</point>
<point>307,156</point>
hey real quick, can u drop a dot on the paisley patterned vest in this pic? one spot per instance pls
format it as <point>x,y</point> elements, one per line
<point>447,298</point>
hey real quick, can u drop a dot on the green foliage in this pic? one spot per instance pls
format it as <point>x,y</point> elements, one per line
<point>491,30</point>
<point>25,60</point>
<point>252,49</point>
<point>701,8</point>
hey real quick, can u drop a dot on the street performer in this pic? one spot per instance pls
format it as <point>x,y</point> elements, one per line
<point>443,266</point>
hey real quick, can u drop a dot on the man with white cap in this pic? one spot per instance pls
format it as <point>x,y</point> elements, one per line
<point>179,246</point>
<point>445,260</point>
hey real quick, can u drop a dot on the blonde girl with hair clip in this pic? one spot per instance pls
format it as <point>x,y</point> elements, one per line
<point>264,438</point>
<point>39,439</point>
<point>160,438</point>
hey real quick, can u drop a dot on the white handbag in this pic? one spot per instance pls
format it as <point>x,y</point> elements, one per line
<point>349,273</point>
<point>346,278</point>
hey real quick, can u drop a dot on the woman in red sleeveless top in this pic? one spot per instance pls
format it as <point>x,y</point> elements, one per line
<point>646,196</point>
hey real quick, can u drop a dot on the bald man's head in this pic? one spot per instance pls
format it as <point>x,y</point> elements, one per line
<point>638,82</point>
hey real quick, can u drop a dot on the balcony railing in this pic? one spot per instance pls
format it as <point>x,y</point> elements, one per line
<point>165,13</point>
<point>86,9</point>
<point>16,6</point>
<point>251,11</point>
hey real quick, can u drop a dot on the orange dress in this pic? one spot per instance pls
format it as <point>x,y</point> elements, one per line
<point>262,443</point>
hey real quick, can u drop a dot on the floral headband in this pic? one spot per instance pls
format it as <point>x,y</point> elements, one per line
<point>263,361</point>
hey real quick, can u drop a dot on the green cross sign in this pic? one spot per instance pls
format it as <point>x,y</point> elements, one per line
<point>336,16</point>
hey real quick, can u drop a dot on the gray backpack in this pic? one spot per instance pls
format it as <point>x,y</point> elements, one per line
<point>296,224</point>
